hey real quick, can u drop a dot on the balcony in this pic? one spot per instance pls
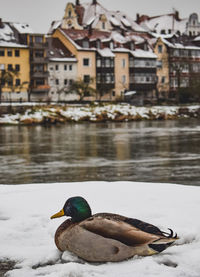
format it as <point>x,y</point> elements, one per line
<point>39,60</point>
<point>40,88</point>
<point>39,74</point>
<point>38,45</point>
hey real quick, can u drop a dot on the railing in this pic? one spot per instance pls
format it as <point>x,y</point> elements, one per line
<point>39,74</point>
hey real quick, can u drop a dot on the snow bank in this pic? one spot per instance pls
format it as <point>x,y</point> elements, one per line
<point>27,233</point>
<point>121,112</point>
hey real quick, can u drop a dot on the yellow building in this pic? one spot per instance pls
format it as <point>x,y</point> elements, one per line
<point>86,57</point>
<point>14,59</point>
<point>160,49</point>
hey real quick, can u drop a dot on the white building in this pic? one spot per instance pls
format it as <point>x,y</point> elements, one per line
<point>62,67</point>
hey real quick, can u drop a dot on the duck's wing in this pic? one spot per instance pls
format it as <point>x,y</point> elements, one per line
<point>139,224</point>
<point>115,227</point>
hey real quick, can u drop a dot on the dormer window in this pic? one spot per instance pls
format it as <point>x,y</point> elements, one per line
<point>85,44</point>
<point>132,46</point>
<point>98,44</point>
<point>70,13</point>
<point>103,25</point>
<point>111,45</point>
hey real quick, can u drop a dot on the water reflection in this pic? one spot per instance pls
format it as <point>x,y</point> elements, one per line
<point>154,151</point>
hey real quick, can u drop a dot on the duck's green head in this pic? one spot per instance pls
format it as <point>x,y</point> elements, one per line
<point>75,207</point>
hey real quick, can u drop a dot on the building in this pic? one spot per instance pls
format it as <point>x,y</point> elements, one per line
<point>193,25</point>
<point>102,42</point>
<point>179,61</point>
<point>62,68</point>
<point>14,60</point>
<point>39,87</point>
<point>163,24</point>
<point>93,15</point>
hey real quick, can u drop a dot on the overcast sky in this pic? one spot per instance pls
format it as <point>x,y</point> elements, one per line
<point>40,13</point>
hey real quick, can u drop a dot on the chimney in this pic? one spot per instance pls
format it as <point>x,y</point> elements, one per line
<point>1,23</point>
<point>94,2</point>
<point>90,31</point>
<point>138,18</point>
<point>77,3</point>
<point>177,16</point>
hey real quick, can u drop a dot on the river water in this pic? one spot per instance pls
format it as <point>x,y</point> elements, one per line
<point>150,151</point>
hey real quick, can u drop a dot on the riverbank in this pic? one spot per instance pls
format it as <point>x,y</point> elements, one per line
<point>97,113</point>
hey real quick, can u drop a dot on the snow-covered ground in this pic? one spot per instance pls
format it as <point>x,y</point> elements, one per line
<point>120,112</point>
<point>27,233</point>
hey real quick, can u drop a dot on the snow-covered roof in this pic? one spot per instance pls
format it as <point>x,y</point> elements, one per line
<point>22,28</point>
<point>6,33</point>
<point>121,49</point>
<point>179,45</point>
<point>165,22</point>
<point>197,38</point>
<point>54,26</point>
<point>106,52</point>
<point>63,59</point>
<point>139,53</point>
<point>93,13</point>
<point>12,44</point>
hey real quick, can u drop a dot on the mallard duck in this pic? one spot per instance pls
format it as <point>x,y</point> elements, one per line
<point>107,237</point>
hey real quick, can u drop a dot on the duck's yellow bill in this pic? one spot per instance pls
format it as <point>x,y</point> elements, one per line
<point>59,214</point>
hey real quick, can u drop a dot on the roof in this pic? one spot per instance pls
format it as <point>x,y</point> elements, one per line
<point>164,22</point>
<point>106,52</point>
<point>57,50</point>
<point>139,53</point>
<point>63,59</point>
<point>6,33</point>
<point>22,28</point>
<point>12,44</point>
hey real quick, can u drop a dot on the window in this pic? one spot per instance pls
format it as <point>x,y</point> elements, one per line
<point>159,63</point>
<point>57,81</point>
<point>70,67</point>
<point>17,82</point>
<point>98,62</point>
<point>124,79</point>
<point>123,63</point>
<point>39,54</point>
<point>65,82</point>
<point>57,67</point>
<point>2,66</point>
<point>70,82</point>
<point>17,54</point>
<point>103,25</point>
<point>38,39</point>
<point>17,67</point>
<point>111,45</point>
<point>86,78</point>
<point>70,13</point>
<point>86,62</point>
<point>9,53</point>
<point>107,62</point>
<point>10,67</point>
<point>160,49</point>
<point>98,44</point>
<point>163,79</point>
<point>40,82</point>
<point>10,82</point>
<point>65,67</point>
<point>132,46</point>
<point>2,53</point>
<point>113,93</point>
<point>85,44</point>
